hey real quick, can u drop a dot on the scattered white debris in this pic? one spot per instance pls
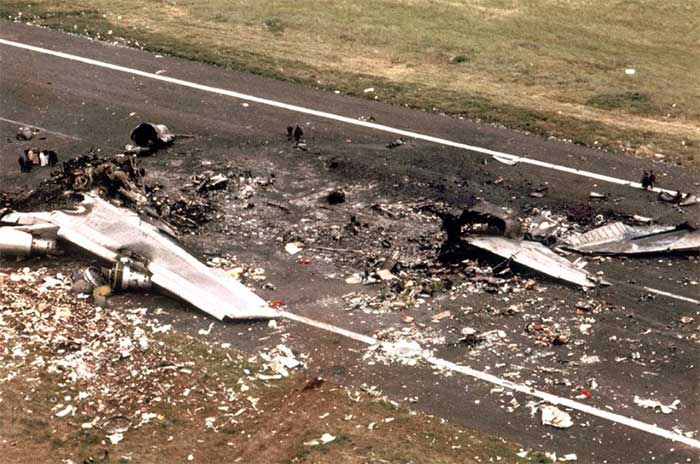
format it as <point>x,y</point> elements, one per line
<point>407,352</point>
<point>206,331</point>
<point>642,219</point>
<point>279,360</point>
<point>590,359</point>
<point>385,274</point>
<point>441,315</point>
<point>293,248</point>
<point>325,438</point>
<point>354,279</point>
<point>115,438</point>
<point>146,417</point>
<point>653,404</point>
<point>551,415</point>
<point>65,411</point>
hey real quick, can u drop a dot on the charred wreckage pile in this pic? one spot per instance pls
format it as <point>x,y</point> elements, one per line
<point>135,232</point>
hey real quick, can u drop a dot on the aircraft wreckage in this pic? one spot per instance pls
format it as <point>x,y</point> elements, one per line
<point>140,253</point>
<point>622,239</point>
<point>498,231</point>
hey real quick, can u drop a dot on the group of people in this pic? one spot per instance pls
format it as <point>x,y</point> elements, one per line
<point>33,157</point>
<point>648,180</point>
<point>295,133</point>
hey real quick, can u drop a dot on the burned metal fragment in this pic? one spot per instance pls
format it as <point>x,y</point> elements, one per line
<point>111,233</point>
<point>619,238</point>
<point>535,256</point>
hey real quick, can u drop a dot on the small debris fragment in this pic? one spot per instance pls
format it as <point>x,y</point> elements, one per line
<point>335,197</point>
<point>293,247</point>
<point>553,416</point>
<point>656,405</point>
<point>24,133</point>
<point>396,143</point>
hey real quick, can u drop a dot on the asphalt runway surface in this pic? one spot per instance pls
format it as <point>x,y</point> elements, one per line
<point>642,347</point>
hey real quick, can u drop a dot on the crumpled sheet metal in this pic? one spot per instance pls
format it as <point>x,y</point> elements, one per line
<point>109,232</point>
<point>503,218</point>
<point>535,256</point>
<point>619,238</point>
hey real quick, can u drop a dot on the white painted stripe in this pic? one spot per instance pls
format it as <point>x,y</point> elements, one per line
<point>329,328</point>
<point>557,400</point>
<point>483,376</point>
<point>60,134</point>
<point>334,117</point>
<point>672,295</point>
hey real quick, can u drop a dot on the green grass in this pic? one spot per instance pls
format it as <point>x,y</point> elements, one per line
<point>632,102</point>
<point>548,67</point>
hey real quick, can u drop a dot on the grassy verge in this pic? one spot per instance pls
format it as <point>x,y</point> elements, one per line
<point>83,384</point>
<point>550,68</point>
<point>289,422</point>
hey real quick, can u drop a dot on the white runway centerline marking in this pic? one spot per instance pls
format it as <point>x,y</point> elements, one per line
<point>325,115</point>
<point>60,134</point>
<point>521,388</point>
<point>672,295</point>
<point>437,362</point>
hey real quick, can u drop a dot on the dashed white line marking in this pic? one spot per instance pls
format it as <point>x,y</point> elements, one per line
<point>441,363</point>
<point>60,134</point>
<point>672,295</point>
<point>334,117</point>
<point>483,376</point>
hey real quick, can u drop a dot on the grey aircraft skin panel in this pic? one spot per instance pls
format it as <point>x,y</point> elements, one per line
<point>535,256</point>
<point>111,232</point>
<point>618,238</point>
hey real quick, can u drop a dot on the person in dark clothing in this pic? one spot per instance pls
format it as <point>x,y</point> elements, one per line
<point>652,179</point>
<point>298,134</point>
<point>25,165</point>
<point>290,132</point>
<point>645,180</point>
<point>53,157</point>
